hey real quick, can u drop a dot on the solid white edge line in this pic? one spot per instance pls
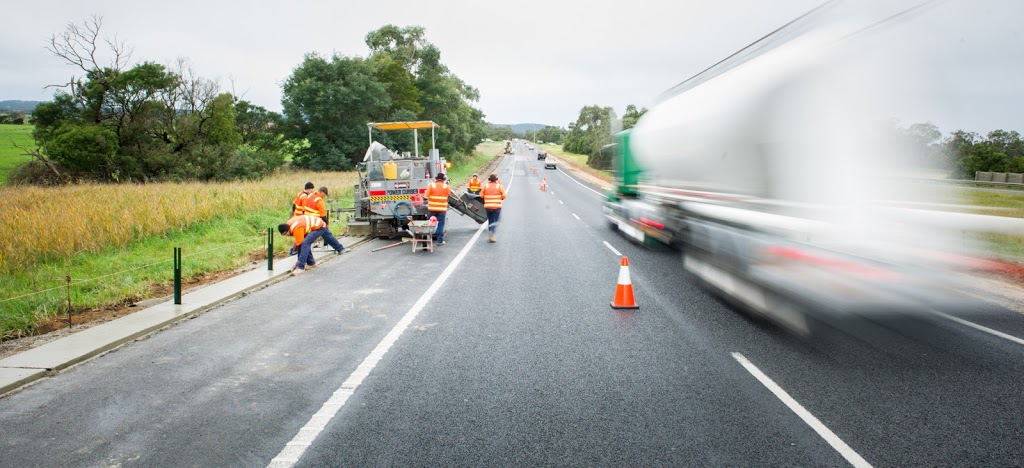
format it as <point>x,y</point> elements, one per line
<point>980,328</point>
<point>295,448</point>
<point>581,183</point>
<point>848,453</point>
<point>616,252</point>
<point>577,217</point>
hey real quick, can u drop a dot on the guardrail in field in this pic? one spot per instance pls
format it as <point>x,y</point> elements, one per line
<point>999,178</point>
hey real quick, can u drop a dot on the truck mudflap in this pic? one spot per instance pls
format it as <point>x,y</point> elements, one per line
<point>469,205</point>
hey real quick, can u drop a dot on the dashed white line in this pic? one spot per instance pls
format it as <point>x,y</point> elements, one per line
<point>577,217</point>
<point>560,202</point>
<point>980,328</point>
<point>616,252</point>
<point>848,453</point>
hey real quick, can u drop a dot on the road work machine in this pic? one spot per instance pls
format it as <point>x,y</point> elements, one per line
<point>391,188</point>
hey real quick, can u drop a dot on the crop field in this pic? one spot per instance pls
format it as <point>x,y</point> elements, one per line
<point>11,156</point>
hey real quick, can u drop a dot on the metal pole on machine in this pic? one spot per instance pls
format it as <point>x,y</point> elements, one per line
<point>416,142</point>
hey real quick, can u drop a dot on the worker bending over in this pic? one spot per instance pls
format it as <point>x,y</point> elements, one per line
<point>306,229</point>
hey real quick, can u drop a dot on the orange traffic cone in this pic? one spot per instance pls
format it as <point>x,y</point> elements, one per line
<point>624,290</point>
<point>543,184</point>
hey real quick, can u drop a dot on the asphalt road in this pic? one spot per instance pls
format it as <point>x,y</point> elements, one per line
<point>509,354</point>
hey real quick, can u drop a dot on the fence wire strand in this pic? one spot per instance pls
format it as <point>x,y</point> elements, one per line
<point>128,270</point>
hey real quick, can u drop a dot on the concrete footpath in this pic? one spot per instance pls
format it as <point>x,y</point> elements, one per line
<point>26,367</point>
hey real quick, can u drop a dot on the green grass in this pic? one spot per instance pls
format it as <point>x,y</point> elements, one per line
<point>121,276</point>
<point>1005,204</point>
<point>460,173</point>
<point>10,157</point>
<point>1008,204</point>
<point>577,160</point>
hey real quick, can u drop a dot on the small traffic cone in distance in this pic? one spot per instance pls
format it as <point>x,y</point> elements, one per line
<point>624,289</point>
<point>543,184</point>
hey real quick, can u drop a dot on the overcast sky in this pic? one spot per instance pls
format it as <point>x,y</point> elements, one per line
<point>532,60</point>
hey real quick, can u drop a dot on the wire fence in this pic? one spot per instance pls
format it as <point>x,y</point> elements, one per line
<point>23,308</point>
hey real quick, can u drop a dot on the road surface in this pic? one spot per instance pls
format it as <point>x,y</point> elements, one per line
<point>509,354</point>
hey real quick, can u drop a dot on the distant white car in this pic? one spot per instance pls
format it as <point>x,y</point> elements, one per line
<point>550,163</point>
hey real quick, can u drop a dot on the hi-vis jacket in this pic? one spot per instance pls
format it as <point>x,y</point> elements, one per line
<point>299,205</point>
<point>493,194</point>
<point>437,196</point>
<point>315,205</point>
<point>301,225</point>
<point>474,184</point>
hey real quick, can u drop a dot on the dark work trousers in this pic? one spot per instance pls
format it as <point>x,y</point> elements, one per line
<point>306,249</point>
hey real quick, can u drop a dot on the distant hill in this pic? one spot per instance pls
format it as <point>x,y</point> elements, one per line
<point>19,106</point>
<point>523,127</point>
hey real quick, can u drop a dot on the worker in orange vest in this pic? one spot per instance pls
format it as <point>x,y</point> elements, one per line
<point>298,206</point>
<point>306,229</point>
<point>474,184</point>
<point>493,193</point>
<point>437,203</point>
<point>316,205</point>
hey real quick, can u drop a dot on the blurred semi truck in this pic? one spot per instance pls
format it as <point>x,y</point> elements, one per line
<point>766,173</point>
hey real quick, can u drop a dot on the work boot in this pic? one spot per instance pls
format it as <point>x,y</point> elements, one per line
<point>297,272</point>
<point>490,238</point>
<point>343,250</point>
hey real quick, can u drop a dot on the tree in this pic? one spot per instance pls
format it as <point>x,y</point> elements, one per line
<point>631,116</point>
<point>443,96</point>
<point>551,134</point>
<point>591,131</point>
<point>122,122</point>
<point>329,104</point>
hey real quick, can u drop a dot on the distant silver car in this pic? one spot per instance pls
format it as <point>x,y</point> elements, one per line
<point>549,163</point>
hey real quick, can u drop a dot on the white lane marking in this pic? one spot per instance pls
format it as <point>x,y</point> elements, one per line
<point>581,183</point>
<point>577,217</point>
<point>606,244</point>
<point>829,436</point>
<point>561,202</point>
<point>980,328</point>
<point>294,449</point>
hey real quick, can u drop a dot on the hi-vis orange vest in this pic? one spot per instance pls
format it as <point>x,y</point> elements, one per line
<point>437,196</point>
<point>493,194</point>
<point>301,225</point>
<point>474,184</point>
<point>315,205</point>
<point>298,206</point>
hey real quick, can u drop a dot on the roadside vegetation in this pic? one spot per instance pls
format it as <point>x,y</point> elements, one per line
<point>1000,204</point>
<point>115,241</point>
<point>12,136</point>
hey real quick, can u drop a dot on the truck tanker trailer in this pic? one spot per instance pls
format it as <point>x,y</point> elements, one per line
<point>766,173</point>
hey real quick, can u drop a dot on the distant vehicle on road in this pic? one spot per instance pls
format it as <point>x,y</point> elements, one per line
<point>542,156</point>
<point>550,164</point>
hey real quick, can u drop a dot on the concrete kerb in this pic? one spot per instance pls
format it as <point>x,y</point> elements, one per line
<point>29,366</point>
